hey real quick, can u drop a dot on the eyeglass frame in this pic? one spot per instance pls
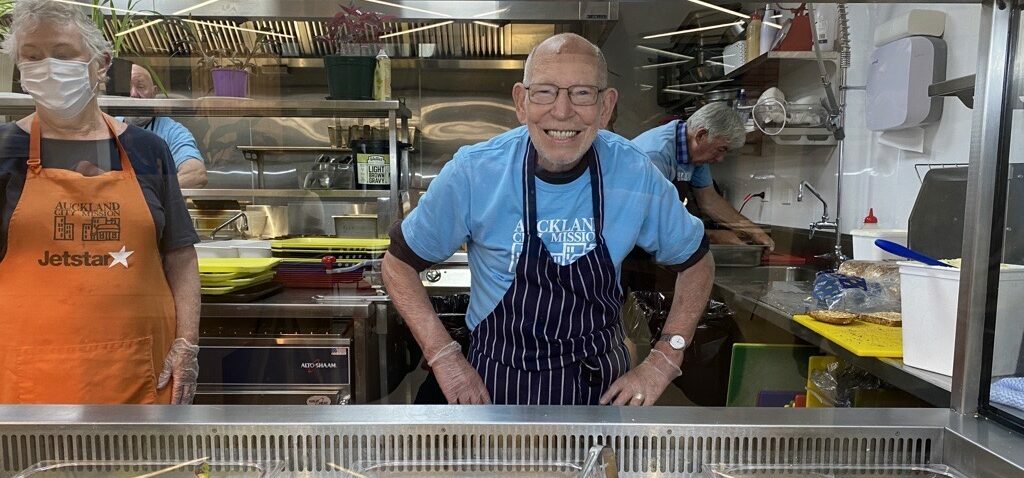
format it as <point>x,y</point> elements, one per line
<point>597,97</point>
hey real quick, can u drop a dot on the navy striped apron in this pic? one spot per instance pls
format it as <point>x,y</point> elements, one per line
<point>556,336</point>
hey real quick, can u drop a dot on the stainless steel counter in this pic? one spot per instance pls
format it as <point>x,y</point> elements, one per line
<point>654,441</point>
<point>301,303</point>
<point>775,293</point>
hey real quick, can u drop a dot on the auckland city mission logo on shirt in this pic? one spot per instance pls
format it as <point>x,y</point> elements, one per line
<point>576,236</point>
<point>99,222</point>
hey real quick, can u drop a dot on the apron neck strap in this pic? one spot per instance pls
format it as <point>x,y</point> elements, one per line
<point>530,189</point>
<point>35,149</point>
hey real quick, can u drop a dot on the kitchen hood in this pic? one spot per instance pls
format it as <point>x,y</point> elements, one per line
<point>472,35</point>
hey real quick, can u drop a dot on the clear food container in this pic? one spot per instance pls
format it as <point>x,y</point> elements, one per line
<point>830,471</point>
<point>137,469</point>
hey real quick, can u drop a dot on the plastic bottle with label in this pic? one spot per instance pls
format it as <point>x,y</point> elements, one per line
<point>753,45</point>
<point>382,77</point>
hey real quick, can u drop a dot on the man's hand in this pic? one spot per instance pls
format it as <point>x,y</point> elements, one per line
<point>181,364</point>
<point>86,168</point>
<point>643,385</point>
<point>723,236</point>
<point>459,381</point>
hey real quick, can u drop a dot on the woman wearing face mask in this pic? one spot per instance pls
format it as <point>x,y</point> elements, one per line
<point>99,285</point>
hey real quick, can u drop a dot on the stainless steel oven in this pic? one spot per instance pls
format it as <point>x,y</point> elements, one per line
<point>283,370</point>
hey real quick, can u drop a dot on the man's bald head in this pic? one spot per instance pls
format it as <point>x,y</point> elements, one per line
<point>142,83</point>
<point>566,44</point>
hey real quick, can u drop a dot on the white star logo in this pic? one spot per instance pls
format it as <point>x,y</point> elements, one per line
<point>120,257</point>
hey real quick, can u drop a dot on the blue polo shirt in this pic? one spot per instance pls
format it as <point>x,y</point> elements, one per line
<point>178,138</point>
<point>477,199</point>
<point>666,146</point>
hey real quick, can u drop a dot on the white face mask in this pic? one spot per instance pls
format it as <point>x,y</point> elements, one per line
<point>62,87</point>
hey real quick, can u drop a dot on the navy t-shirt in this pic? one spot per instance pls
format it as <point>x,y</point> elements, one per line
<point>150,157</point>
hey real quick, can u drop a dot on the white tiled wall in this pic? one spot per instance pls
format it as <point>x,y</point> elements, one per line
<point>874,175</point>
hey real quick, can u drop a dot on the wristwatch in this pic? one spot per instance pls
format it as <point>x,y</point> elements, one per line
<point>677,342</point>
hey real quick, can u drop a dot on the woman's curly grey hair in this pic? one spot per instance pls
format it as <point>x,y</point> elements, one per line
<point>28,14</point>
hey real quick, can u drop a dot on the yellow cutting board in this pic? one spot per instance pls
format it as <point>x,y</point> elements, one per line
<point>862,338</point>
<point>247,265</point>
<point>221,290</point>
<point>248,279</point>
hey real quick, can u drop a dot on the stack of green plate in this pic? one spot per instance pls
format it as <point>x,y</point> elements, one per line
<point>220,276</point>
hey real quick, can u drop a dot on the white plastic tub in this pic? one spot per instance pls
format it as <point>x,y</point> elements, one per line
<point>929,296</point>
<point>864,247</point>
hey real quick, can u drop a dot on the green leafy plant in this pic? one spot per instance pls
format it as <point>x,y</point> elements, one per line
<point>241,58</point>
<point>119,22</point>
<point>5,8</point>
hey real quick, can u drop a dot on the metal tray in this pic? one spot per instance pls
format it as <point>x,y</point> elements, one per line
<point>729,255</point>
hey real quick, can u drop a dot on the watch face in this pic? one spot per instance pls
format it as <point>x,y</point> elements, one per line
<point>677,342</point>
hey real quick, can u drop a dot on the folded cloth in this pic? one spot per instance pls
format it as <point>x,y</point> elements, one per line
<point>1008,391</point>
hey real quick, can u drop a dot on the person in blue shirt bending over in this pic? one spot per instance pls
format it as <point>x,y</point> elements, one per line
<point>187,160</point>
<point>548,211</point>
<point>684,150</point>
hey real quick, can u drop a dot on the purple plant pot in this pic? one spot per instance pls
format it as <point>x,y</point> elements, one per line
<point>230,82</point>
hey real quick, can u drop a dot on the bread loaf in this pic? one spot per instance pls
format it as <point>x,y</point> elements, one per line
<point>891,319</point>
<point>834,317</point>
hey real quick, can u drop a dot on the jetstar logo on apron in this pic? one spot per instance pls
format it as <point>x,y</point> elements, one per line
<point>86,259</point>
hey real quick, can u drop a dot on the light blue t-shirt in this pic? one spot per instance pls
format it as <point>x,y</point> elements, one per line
<point>178,138</point>
<point>477,199</point>
<point>666,146</point>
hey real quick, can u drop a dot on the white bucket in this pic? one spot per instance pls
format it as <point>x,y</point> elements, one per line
<point>929,296</point>
<point>864,248</point>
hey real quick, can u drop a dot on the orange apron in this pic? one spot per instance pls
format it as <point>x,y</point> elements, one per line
<point>86,314</point>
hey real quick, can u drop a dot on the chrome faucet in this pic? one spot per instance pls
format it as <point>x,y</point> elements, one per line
<point>241,215</point>
<point>824,224</point>
<point>836,257</point>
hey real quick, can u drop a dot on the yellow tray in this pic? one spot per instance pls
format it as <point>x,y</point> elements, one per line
<point>325,243</point>
<point>255,265</point>
<point>237,281</point>
<point>862,338</point>
<point>221,290</point>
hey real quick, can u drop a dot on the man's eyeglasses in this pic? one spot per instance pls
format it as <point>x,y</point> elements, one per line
<point>579,95</point>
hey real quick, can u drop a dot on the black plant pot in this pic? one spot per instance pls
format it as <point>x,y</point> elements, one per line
<point>119,78</point>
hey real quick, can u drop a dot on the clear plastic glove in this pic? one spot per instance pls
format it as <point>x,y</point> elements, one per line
<point>459,381</point>
<point>644,384</point>
<point>181,364</point>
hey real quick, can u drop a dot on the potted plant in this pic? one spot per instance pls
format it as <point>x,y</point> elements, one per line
<point>229,68</point>
<point>353,34</point>
<point>120,72</point>
<point>6,63</point>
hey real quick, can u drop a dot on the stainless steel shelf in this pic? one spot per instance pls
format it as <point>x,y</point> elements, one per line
<point>291,149</point>
<point>962,88</point>
<point>285,193</point>
<point>14,104</point>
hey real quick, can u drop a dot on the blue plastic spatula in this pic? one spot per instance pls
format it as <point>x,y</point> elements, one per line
<point>903,251</point>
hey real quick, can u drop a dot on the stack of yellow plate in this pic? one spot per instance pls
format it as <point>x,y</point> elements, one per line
<point>220,276</point>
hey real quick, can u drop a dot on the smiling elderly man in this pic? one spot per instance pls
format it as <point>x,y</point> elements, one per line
<point>548,211</point>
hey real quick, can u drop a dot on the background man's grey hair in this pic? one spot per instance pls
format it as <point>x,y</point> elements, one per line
<point>568,43</point>
<point>28,14</point>
<point>721,121</point>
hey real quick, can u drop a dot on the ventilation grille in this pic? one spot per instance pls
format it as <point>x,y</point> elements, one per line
<point>460,39</point>
<point>641,451</point>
